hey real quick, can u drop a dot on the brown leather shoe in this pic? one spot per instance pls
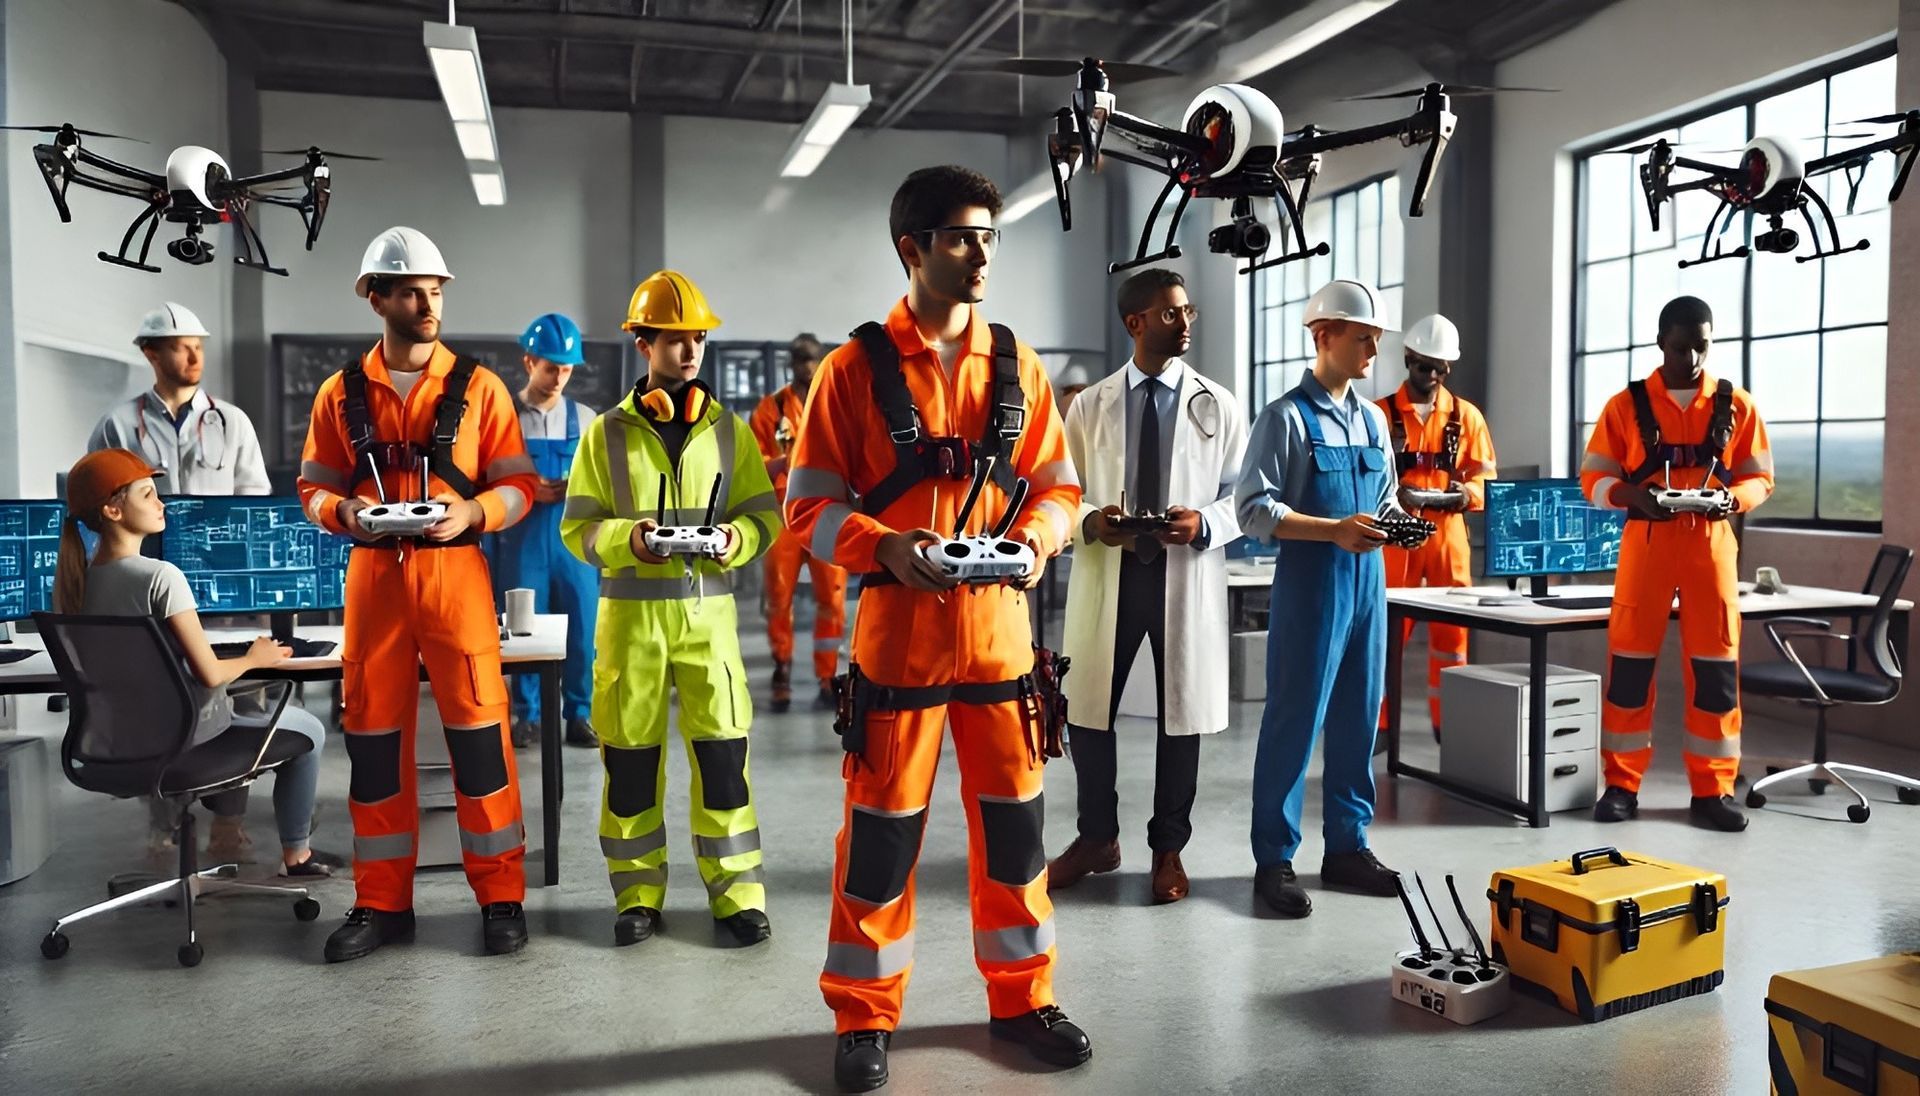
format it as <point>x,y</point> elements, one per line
<point>1082,858</point>
<point>1169,878</point>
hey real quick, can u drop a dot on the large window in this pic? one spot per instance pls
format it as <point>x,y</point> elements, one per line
<point>1363,226</point>
<point>1809,340</point>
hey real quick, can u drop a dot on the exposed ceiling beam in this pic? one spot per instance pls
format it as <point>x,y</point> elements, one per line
<point>771,17</point>
<point>991,19</point>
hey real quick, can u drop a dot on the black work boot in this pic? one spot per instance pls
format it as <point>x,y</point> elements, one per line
<point>1616,804</point>
<point>1359,871</point>
<point>580,733</point>
<point>503,927</point>
<point>860,1060</point>
<point>1280,889</point>
<point>746,928</point>
<point>1047,1034</point>
<point>525,733</point>
<point>366,929</point>
<point>782,686</point>
<point>635,923</point>
<point>1717,812</point>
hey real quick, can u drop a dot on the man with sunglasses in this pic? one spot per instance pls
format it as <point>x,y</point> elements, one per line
<point>1160,439</point>
<point>1444,457</point>
<point>908,418</point>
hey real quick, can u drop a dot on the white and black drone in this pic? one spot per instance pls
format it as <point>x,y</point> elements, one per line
<point>196,191</point>
<point>1231,144</point>
<point>1771,180</point>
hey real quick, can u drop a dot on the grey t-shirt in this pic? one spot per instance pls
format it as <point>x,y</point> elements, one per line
<point>139,586</point>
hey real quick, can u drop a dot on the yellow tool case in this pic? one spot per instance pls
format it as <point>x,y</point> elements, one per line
<point>1854,1028</point>
<point>1607,932</point>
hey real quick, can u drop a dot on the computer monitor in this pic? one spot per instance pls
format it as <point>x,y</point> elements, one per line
<point>29,554</point>
<point>249,554</point>
<point>1541,527</point>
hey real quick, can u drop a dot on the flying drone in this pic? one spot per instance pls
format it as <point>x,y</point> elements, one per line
<point>197,191</point>
<point>1771,180</point>
<point>1231,144</point>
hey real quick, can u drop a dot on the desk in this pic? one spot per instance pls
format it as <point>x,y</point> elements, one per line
<point>1535,624</point>
<point>542,652</point>
<point>1248,580</point>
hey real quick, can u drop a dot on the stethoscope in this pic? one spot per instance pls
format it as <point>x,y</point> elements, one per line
<point>142,437</point>
<point>1206,420</point>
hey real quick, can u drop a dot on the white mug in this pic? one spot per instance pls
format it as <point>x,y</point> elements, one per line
<point>520,611</point>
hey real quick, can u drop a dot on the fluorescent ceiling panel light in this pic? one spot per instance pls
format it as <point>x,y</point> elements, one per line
<point>836,112</point>
<point>458,71</point>
<point>489,188</point>
<point>476,140</point>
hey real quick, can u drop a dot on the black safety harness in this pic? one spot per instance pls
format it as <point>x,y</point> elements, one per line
<point>402,458</point>
<point>1446,459</point>
<point>1711,451</point>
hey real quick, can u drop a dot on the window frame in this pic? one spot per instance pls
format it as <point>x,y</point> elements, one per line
<point>1747,100</point>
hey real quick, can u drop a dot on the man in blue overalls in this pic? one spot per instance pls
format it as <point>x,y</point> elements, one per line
<point>1319,466</point>
<point>530,554</point>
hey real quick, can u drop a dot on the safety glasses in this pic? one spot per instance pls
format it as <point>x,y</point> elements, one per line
<point>1437,369</point>
<point>959,239</point>
<point>1171,314</point>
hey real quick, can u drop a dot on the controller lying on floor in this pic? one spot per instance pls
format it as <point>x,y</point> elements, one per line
<point>983,558</point>
<point>1448,981</point>
<point>706,540</point>
<point>1403,530</point>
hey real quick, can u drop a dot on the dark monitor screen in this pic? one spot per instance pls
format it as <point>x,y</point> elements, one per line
<point>254,554</point>
<point>29,554</point>
<point>1547,527</point>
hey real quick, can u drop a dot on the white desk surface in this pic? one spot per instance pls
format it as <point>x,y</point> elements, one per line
<point>1465,601</point>
<point>548,643</point>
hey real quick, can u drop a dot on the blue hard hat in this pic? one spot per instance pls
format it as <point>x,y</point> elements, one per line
<point>555,338</point>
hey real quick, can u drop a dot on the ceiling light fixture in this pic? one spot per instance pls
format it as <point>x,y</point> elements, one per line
<point>836,112</point>
<point>454,52</point>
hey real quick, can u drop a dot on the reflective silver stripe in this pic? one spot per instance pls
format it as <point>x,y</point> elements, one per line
<point>827,643</point>
<point>862,962</point>
<point>1011,945</point>
<point>391,846</point>
<point>882,812</point>
<point>1613,742</point>
<point>726,881</point>
<point>324,475</point>
<point>633,848</point>
<point>1699,746</point>
<point>584,506</point>
<point>1053,474</point>
<point>1600,462</point>
<point>816,483</point>
<point>589,534</point>
<point>638,877</point>
<point>760,503</point>
<point>1062,520</point>
<point>1603,494</point>
<point>677,588</point>
<point>723,434</point>
<point>1445,656</point>
<point>626,504</point>
<point>515,502</point>
<point>731,845</point>
<point>826,531</point>
<point>765,523</point>
<point>521,465</point>
<point>505,839</point>
<point>319,504</point>
<point>1760,463</point>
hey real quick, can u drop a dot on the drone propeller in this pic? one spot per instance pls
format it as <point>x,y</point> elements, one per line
<point>1879,120</point>
<point>1060,66</point>
<point>1444,89</point>
<point>1695,146</point>
<point>81,132</point>
<point>329,154</point>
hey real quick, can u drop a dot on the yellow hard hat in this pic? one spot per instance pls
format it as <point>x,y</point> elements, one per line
<point>669,301</point>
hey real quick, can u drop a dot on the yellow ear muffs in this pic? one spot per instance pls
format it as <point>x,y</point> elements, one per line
<point>657,403</point>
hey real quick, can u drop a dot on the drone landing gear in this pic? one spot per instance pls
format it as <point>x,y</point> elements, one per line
<point>1833,231</point>
<point>250,242</point>
<point>151,218</point>
<point>1712,239</point>
<point>1169,249</point>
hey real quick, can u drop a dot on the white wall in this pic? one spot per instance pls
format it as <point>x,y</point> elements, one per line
<point>157,77</point>
<point>781,256</point>
<point>1690,54</point>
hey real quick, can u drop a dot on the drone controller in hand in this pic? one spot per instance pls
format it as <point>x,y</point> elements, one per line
<point>1403,530</point>
<point>706,540</point>
<point>401,519</point>
<point>983,558</point>
<point>1694,500</point>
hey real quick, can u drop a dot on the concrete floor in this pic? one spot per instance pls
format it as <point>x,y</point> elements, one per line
<point>1202,996</point>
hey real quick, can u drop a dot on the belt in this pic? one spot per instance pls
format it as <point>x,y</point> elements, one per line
<point>901,698</point>
<point>468,539</point>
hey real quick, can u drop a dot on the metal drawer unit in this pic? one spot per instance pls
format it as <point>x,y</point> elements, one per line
<point>1485,743</point>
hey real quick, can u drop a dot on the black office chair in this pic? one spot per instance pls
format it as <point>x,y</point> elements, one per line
<point>1871,677</point>
<point>130,724</point>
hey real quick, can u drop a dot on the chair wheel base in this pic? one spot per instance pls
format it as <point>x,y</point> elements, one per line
<point>54,945</point>
<point>190,954</point>
<point>1755,800</point>
<point>1819,787</point>
<point>1909,796</point>
<point>1858,813</point>
<point>306,909</point>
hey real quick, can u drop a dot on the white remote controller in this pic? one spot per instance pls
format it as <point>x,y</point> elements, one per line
<point>1451,984</point>
<point>980,559</point>
<point>1423,499</point>
<point>1694,500</point>
<point>706,541</point>
<point>404,519</point>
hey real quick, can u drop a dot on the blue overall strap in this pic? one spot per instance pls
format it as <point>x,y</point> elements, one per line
<point>1373,432</point>
<point>1308,416</point>
<point>573,421</point>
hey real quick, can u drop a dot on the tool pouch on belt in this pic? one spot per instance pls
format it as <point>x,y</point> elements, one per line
<point>1051,700</point>
<point>849,716</point>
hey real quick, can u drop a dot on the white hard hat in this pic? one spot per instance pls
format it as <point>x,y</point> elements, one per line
<point>400,252</point>
<point>1342,299</point>
<point>167,321</point>
<point>1436,337</point>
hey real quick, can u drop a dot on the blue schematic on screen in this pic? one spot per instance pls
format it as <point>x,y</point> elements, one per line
<point>29,554</point>
<point>253,554</point>
<point>1547,527</point>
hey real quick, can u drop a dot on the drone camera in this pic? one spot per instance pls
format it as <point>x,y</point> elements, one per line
<point>1244,238</point>
<point>191,250</point>
<point>1779,241</point>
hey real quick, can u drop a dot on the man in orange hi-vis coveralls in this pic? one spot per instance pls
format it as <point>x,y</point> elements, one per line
<point>776,423</point>
<point>899,417</point>
<point>434,425</point>
<point>1445,458</point>
<point>1679,428</point>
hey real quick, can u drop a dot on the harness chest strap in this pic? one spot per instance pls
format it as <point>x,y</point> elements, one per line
<point>448,414</point>
<point>1699,454</point>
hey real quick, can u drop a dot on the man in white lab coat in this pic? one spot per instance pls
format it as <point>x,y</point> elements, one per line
<point>1167,441</point>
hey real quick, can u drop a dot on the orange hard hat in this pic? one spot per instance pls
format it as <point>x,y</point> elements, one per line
<point>95,477</point>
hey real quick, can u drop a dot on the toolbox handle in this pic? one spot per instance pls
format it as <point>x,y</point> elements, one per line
<point>1612,854</point>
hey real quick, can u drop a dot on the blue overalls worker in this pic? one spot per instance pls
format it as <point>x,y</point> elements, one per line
<point>1319,466</point>
<point>531,554</point>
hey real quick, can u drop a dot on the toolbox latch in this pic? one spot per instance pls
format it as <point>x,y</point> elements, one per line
<point>1849,1060</point>
<point>1503,901</point>
<point>1706,907</point>
<point>1626,921</point>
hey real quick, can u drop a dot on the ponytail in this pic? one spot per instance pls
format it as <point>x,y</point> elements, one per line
<point>70,575</point>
